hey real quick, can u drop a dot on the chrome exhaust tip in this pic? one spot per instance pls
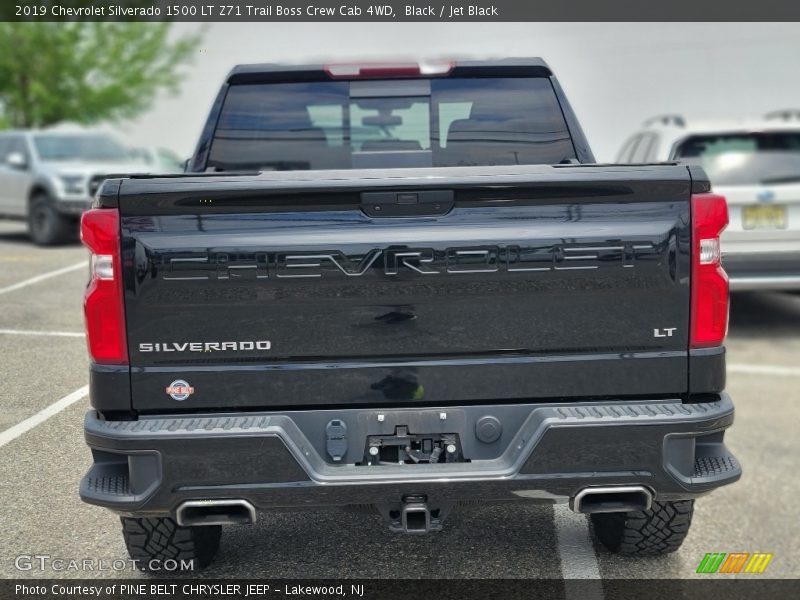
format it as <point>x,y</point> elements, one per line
<point>608,499</point>
<point>194,513</point>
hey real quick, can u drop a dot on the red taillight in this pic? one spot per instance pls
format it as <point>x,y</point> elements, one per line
<point>709,282</point>
<point>387,70</point>
<point>102,303</point>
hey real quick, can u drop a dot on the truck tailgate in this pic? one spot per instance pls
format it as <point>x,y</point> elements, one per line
<point>430,286</point>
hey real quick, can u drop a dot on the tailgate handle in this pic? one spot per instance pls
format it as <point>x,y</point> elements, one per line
<point>418,203</point>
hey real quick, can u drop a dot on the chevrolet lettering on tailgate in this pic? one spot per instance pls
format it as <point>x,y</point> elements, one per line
<point>390,261</point>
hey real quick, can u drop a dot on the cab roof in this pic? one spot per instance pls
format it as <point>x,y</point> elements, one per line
<point>266,72</point>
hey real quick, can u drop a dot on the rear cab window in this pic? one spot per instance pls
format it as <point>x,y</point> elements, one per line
<point>744,158</point>
<point>390,123</point>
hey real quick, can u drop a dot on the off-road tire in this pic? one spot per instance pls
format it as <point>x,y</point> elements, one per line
<point>46,226</point>
<point>162,538</point>
<point>659,530</point>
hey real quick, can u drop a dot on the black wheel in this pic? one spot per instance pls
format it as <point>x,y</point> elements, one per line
<point>660,530</point>
<point>46,225</point>
<point>161,539</point>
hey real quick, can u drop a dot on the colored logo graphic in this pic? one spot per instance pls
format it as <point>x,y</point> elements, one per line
<point>734,562</point>
<point>180,390</point>
<point>765,195</point>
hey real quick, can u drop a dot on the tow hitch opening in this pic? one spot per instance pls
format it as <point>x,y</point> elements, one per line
<point>415,514</point>
<point>416,518</point>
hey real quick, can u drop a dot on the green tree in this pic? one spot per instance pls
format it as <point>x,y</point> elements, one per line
<point>86,72</point>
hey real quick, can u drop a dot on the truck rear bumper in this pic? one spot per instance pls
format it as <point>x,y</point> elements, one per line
<point>763,271</point>
<point>547,452</point>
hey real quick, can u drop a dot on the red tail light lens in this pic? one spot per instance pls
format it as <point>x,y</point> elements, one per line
<point>709,281</point>
<point>102,303</point>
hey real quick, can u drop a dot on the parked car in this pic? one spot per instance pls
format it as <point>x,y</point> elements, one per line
<point>49,177</point>
<point>756,166</point>
<point>466,309</point>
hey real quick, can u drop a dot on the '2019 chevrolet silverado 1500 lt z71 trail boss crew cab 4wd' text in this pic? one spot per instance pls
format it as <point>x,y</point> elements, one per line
<point>423,293</point>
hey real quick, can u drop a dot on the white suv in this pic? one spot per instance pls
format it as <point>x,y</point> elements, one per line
<point>756,166</point>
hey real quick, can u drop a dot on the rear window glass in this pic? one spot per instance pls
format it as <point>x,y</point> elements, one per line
<point>400,123</point>
<point>86,147</point>
<point>744,158</point>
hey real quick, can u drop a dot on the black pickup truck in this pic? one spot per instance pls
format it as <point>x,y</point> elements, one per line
<point>404,287</point>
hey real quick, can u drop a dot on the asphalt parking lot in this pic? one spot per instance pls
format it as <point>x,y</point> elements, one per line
<point>43,360</point>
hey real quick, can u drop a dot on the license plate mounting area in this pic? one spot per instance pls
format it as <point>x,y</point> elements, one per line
<point>403,447</point>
